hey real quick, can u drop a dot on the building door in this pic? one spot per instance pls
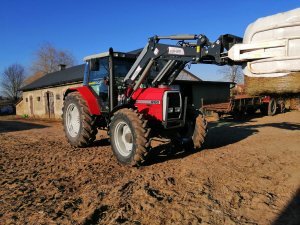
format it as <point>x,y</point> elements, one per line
<point>49,104</point>
<point>31,105</point>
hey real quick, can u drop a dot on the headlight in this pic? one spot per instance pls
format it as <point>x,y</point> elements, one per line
<point>177,109</point>
<point>170,110</point>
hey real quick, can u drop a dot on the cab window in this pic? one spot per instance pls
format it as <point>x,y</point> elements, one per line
<point>98,69</point>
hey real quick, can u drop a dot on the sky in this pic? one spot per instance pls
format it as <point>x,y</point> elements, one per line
<point>89,27</point>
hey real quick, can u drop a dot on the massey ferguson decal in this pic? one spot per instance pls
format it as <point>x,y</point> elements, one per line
<point>175,51</point>
<point>149,102</point>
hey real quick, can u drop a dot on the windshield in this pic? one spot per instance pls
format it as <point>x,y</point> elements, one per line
<point>100,68</point>
<point>122,66</point>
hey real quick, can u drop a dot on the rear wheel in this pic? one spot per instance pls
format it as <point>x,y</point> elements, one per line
<point>129,136</point>
<point>79,124</point>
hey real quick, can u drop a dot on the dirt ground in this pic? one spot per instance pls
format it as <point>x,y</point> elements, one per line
<point>247,173</point>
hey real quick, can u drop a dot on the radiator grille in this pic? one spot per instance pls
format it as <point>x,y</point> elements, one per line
<point>174,102</point>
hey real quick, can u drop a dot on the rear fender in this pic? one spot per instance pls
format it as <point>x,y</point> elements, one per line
<point>90,98</point>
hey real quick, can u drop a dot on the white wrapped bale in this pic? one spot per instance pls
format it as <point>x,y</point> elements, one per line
<point>279,74</point>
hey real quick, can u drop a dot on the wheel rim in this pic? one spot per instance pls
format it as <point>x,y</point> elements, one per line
<point>123,139</point>
<point>273,107</point>
<point>72,120</point>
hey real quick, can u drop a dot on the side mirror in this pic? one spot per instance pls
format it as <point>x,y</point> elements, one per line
<point>94,65</point>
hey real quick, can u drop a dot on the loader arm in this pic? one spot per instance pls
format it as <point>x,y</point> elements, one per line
<point>192,49</point>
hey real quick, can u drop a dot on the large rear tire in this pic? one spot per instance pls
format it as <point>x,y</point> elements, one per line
<point>129,136</point>
<point>79,125</point>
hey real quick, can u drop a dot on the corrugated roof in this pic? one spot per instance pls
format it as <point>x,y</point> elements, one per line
<point>76,73</point>
<point>69,75</point>
<point>187,75</point>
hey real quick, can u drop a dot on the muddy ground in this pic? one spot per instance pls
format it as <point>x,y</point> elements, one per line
<point>248,173</point>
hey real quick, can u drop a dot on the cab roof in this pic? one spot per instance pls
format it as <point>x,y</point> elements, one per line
<point>131,54</point>
<point>99,55</point>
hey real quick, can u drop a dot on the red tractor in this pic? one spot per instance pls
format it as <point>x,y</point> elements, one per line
<point>131,95</point>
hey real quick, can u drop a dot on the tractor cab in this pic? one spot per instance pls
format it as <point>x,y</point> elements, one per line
<point>104,75</point>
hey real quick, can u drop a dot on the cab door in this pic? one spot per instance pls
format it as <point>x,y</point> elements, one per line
<point>98,79</point>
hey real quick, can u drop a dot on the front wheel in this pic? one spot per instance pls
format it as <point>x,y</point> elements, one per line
<point>194,132</point>
<point>129,136</point>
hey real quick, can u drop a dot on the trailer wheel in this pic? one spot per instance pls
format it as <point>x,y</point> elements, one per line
<point>129,136</point>
<point>272,107</point>
<point>78,123</point>
<point>193,134</point>
<point>281,106</point>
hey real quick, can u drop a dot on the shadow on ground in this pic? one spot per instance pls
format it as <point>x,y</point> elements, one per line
<point>220,134</point>
<point>10,126</point>
<point>230,131</point>
<point>101,142</point>
<point>166,152</point>
<point>291,214</point>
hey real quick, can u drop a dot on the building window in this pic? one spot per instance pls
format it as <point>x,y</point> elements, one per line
<point>26,99</point>
<point>58,97</point>
<point>38,99</point>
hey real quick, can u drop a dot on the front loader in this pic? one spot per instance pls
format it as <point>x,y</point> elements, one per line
<point>131,95</point>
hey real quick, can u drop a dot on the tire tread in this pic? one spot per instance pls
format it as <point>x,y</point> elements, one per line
<point>88,121</point>
<point>141,131</point>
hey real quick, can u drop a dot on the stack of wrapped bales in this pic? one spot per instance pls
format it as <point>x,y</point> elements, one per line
<point>277,75</point>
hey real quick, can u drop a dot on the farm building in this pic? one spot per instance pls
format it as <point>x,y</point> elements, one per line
<point>44,97</point>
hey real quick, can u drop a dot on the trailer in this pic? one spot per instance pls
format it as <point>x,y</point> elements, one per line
<point>246,104</point>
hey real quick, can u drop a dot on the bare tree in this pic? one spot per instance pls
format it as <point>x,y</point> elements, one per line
<point>48,58</point>
<point>12,80</point>
<point>232,73</point>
